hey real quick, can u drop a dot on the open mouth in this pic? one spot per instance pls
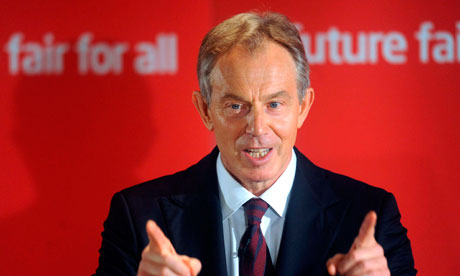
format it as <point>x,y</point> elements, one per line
<point>258,153</point>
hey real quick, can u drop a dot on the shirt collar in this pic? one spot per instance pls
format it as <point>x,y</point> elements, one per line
<point>233,195</point>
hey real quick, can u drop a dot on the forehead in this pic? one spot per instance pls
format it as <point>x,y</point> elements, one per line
<point>269,67</point>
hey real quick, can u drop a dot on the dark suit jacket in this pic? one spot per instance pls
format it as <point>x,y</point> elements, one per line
<point>324,213</point>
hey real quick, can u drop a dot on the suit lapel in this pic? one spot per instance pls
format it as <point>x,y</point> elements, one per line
<point>313,212</point>
<point>194,219</point>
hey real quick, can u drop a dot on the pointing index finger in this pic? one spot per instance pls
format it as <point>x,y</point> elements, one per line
<point>366,232</point>
<point>158,241</point>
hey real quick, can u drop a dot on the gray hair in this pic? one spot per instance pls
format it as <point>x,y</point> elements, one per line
<point>251,30</point>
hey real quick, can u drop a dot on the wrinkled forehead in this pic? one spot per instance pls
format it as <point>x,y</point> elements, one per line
<point>263,67</point>
<point>240,56</point>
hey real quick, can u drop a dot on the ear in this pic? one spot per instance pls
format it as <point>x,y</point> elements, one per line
<point>305,106</point>
<point>202,106</point>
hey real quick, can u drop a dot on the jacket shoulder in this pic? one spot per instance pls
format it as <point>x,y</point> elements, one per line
<point>188,181</point>
<point>349,187</point>
<point>344,187</point>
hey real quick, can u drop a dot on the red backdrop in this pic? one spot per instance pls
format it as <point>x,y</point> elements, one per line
<point>95,96</point>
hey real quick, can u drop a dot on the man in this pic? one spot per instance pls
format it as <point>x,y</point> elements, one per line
<point>255,205</point>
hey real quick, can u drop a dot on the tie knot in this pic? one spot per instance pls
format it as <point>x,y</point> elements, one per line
<point>255,209</point>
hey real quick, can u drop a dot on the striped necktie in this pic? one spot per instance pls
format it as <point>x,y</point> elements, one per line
<point>252,252</point>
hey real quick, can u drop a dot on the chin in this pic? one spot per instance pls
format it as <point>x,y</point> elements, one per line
<point>258,177</point>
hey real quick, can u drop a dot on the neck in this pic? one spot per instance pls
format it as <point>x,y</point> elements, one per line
<point>257,188</point>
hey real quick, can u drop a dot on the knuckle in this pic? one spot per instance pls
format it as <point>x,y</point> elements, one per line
<point>163,256</point>
<point>375,273</point>
<point>353,256</point>
<point>163,271</point>
<point>379,273</point>
<point>380,250</point>
<point>362,265</point>
<point>140,270</point>
<point>385,263</point>
<point>384,272</point>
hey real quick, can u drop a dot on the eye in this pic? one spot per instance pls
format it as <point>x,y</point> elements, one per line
<point>235,109</point>
<point>235,106</point>
<point>274,104</point>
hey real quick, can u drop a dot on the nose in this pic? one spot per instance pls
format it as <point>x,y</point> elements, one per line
<point>257,122</point>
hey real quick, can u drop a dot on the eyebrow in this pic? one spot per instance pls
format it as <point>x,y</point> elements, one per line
<point>282,94</point>
<point>279,94</point>
<point>229,96</point>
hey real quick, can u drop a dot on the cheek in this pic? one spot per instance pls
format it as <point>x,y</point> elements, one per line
<point>285,127</point>
<point>217,119</point>
<point>228,130</point>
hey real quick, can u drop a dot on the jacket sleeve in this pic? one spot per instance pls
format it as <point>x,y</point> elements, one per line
<point>119,253</point>
<point>392,236</point>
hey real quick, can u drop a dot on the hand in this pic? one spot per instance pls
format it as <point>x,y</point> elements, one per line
<point>160,258</point>
<point>366,256</point>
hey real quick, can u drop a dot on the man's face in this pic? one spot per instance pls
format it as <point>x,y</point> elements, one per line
<point>255,113</point>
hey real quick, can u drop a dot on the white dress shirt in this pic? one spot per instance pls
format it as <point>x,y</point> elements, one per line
<point>233,196</point>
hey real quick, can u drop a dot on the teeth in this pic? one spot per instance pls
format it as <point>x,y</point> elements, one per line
<point>258,153</point>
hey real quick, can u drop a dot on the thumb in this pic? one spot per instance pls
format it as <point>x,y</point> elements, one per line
<point>366,232</point>
<point>193,264</point>
<point>333,263</point>
<point>158,242</point>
